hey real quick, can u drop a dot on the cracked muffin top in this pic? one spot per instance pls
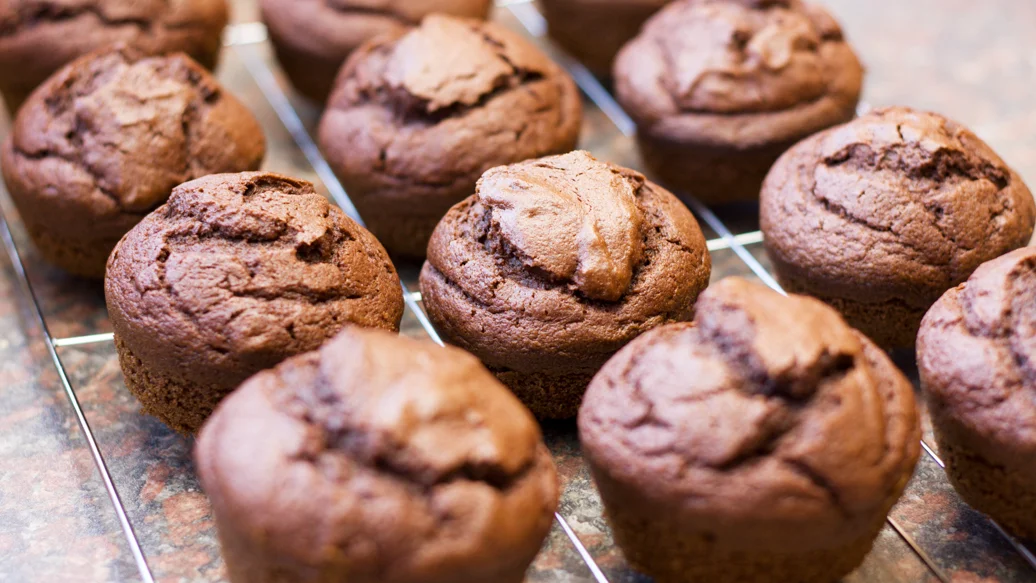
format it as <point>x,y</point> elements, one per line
<point>238,272</point>
<point>738,71</point>
<point>380,457</point>
<point>767,416</point>
<point>314,37</point>
<point>105,141</point>
<point>346,24</point>
<point>438,106</point>
<point>37,37</point>
<point>896,205</point>
<point>563,259</point>
<point>976,352</point>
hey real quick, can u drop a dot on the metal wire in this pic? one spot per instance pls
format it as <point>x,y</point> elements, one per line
<point>25,288</point>
<point>927,560</point>
<point>83,340</point>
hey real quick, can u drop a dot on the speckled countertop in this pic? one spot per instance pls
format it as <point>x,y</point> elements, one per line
<point>973,61</point>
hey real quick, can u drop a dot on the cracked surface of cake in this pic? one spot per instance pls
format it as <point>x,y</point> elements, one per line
<point>416,118</point>
<point>234,274</point>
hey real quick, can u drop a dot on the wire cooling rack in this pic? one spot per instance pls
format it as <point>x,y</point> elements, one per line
<point>931,536</point>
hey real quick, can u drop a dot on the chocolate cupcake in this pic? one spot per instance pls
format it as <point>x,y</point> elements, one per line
<point>880,216</point>
<point>720,88</point>
<point>377,458</point>
<point>975,354</point>
<point>416,118</point>
<point>312,38</point>
<point>103,142</point>
<point>234,274</point>
<point>554,265</point>
<point>766,442</point>
<point>38,37</point>
<point>593,31</point>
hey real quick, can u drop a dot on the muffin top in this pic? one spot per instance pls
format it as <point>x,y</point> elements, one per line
<point>767,416</point>
<point>337,27</point>
<point>239,271</point>
<point>898,204</point>
<point>977,356</point>
<point>738,71</point>
<point>567,257</point>
<point>39,36</point>
<point>384,457</point>
<point>444,102</point>
<point>105,140</point>
<point>26,16</point>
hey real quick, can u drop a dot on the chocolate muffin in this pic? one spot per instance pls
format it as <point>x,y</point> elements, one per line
<point>312,38</point>
<point>234,274</point>
<point>416,118</point>
<point>720,88</point>
<point>38,37</point>
<point>104,141</point>
<point>766,442</point>
<point>554,265</point>
<point>975,353</point>
<point>880,216</point>
<point>377,458</point>
<point>593,31</point>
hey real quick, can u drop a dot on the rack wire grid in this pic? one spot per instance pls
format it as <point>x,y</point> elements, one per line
<point>136,510</point>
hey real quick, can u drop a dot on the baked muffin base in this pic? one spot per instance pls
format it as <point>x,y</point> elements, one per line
<point>712,174</point>
<point>242,564</point>
<point>660,550</point>
<point>182,406</point>
<point>311,75</point>
<point>82,258</point>
<point>404,237</point>
<point>548,396</point>
<point>1006,496</point>
<point>14,97</point>
<point>890,325</point>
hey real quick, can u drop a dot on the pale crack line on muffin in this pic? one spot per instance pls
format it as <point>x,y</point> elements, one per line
<point>739,360</point>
